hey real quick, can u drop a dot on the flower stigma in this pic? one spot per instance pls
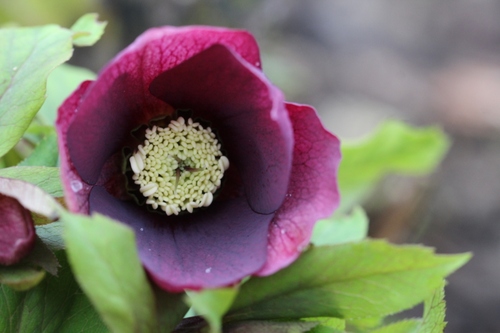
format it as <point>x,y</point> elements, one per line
<point>179,167</point>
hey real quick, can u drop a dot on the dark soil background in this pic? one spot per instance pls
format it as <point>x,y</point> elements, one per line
<point>360,62</point>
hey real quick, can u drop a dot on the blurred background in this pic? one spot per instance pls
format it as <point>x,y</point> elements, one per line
<point>361,62</point>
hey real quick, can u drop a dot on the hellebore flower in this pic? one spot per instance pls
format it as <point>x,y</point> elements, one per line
<point>17,231</point>
<point>184,139</point>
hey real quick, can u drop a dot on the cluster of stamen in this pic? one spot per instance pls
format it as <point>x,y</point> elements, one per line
<point>179,167</point>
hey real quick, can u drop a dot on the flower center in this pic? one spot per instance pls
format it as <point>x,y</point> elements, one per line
<point>179,167</point>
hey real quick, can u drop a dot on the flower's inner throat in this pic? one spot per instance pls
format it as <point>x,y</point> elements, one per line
<point>179,167</point>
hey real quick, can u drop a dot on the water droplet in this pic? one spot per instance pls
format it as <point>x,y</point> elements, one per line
<point>208,270</point>
<point>15,68</point>
<point>257,63</point>
<point>149,250</point>
<point>142,229</point>
<point>76,185</point>
<point>283,231</point>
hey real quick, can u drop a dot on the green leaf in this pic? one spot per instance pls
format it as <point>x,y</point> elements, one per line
<point>82,317</point>
<point>170,308</point>
<point>56,305</point>
<point>60,84</point>
<point>46,178</point>
<point>45,153</point>
<point>31,197</point>
<point>432,321</point>
<point>20,276</point>
<point>325,329</point>
<point>403,326</point>
<point>51,235</point>
<point>37,129</point>
<point>364,324</point>
<point>434,313</point>
<point>353,280</point>
<point>341,228</point>
<point>11,158</point>
<point>43,257</point>
<point>199,325</point>
<point>394,148</point>
<point>212,304</point>
<point>27,57</point>
<point>104,258</point>
<point>327,325</point>
<point>88,30</point>
<point>270,327</point>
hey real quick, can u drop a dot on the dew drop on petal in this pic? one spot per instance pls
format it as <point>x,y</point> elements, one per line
<point>76,185</point>
<point>208,270</point>
<point>283,231</point>
<point>142,229</point>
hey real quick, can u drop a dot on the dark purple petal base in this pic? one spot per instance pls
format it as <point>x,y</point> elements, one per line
<point>217,247</point>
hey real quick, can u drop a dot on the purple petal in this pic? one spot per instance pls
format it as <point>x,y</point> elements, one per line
<point>212,248</point>
<point>120,100</point>
<point>313,193</point>
<point>247,112</point>
<point>17,232</point>
<point>75,189</point>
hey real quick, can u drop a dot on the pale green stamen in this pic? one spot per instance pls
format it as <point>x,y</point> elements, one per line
<point>179,167</point>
